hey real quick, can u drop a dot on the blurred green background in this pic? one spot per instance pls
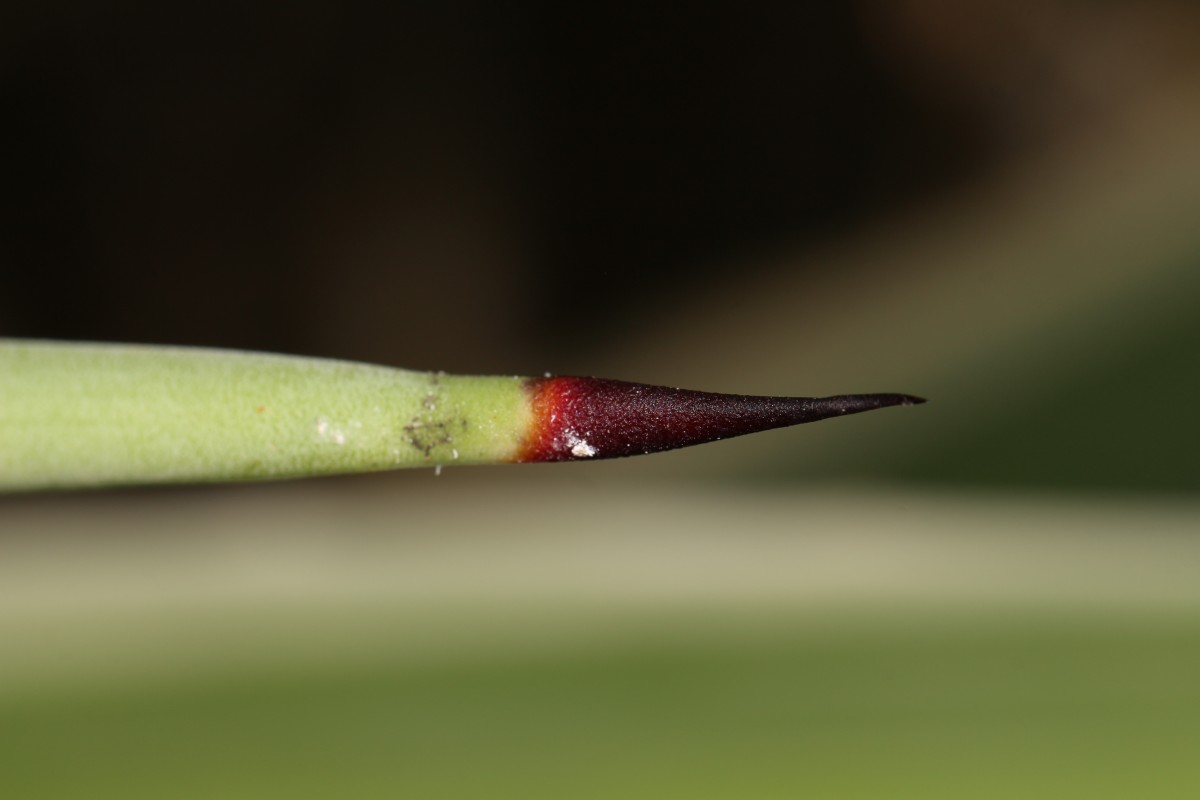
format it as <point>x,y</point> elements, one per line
<point>994,206</point>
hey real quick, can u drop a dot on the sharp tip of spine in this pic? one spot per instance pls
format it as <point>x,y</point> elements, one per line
<point>901,400</point>
<point>869,402</point>
<point>891,399</point>
<point>813,409</point>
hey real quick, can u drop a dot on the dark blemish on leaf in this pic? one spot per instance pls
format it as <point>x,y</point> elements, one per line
<point>425,436</point>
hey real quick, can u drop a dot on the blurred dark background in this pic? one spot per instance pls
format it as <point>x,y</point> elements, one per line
<point>346,179</point>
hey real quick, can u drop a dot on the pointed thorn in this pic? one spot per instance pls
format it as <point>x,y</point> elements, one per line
<point>585,418</point>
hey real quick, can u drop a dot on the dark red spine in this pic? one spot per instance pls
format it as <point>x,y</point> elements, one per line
<point>586,418</point>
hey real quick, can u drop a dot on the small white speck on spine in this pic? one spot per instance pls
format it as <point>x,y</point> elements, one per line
<point>583,450</point>
<point>454,453</point>
<point>579,446</point>
<point>437,470</point>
